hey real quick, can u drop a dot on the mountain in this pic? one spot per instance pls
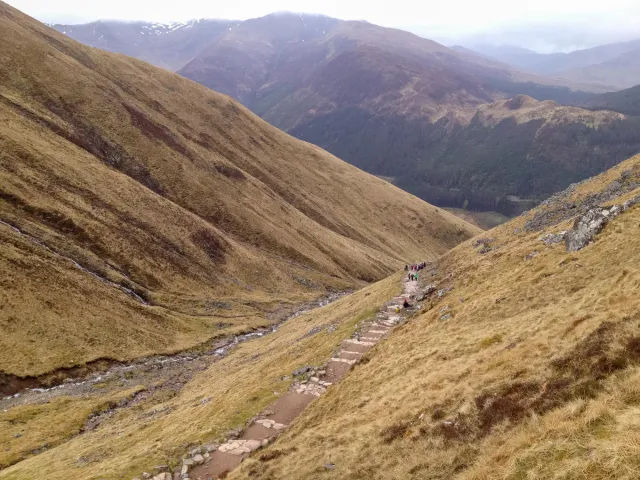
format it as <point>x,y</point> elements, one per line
<point>410,109</point>
<point>168,46</point>
<point>625,101</point>
<point>553,63</point>
<point>609,67</point>
<point>401,106</point>
<point>620,72</point>
<point>506,156</point>
<point>142,213</point>
<point>288,67</point>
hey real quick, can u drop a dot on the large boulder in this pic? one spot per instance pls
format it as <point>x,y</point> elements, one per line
<point>585,228</point>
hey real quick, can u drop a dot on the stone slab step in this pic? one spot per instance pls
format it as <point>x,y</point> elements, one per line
<point>343,360</point>
<point>358,342</point>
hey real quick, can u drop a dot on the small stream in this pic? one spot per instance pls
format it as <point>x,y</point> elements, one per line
<point>179,367</point>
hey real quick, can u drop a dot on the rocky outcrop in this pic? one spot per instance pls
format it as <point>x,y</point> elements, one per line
<point>586,227</point>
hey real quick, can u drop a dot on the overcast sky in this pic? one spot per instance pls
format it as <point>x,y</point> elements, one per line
<point>565,24</point>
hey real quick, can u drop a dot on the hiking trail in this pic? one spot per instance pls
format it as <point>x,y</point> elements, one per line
<point>214,460</point>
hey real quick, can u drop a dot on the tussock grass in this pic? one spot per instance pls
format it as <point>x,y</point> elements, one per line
<point>30,428</point>
<point>553,393</point>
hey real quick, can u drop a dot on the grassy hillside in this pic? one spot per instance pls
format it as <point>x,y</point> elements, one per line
<point>535,373</point>
<point>145,213</point>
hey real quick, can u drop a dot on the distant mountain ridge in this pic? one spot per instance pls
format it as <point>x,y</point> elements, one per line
<point>613,66</point>
<point>166,45</point>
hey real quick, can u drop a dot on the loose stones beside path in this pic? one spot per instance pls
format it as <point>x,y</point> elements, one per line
<point>213,460</point>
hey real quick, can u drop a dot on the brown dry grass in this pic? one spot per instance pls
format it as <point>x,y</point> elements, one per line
<point>177,192</point>
<point>239,386</point>
<point>535,376</point>
<point>27,429</point>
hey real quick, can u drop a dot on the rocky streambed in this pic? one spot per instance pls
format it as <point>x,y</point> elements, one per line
<point>168,372</point>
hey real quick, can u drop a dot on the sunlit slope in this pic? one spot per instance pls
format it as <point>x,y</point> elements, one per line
<point>526,368</point>
<point>171,191</point>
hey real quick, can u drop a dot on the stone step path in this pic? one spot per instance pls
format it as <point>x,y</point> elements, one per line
<point>213,461</point>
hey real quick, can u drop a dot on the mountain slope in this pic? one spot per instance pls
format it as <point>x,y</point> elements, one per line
<point>618,73</point>
<point>289,68</point>
<point>168,46</point>
<point>625,101</point>
<point>556,63</point>
<point>506,156</point>
<point>527,367</point>
<point>404,107</point>
<point>124,184</point>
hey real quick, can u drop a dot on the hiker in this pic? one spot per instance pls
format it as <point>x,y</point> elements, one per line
<point>406,267</point>
<point>406,303</point>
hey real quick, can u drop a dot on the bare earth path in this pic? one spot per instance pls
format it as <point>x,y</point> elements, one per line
<point>213,461</point>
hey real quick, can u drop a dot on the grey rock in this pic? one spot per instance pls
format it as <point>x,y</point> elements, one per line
<point>552,238</point>
<point>198,459</point>
<point>429,289</point>
<point>184,470</point>
<point>211,447</point>
<point>445,317</point>
<point>585,228</point>
<point>188,462</point>
<point>302,371</point>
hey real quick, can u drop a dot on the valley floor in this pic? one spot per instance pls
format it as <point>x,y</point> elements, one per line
<point>484,220</point>
<point>131,420</point>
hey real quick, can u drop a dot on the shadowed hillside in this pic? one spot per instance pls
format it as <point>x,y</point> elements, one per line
<point>404,107</point>
<point>625,101</point>
<point>144,213</point>
<point>506,156</point>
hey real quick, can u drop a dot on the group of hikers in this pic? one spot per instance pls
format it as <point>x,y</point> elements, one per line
<point>413,270</point>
